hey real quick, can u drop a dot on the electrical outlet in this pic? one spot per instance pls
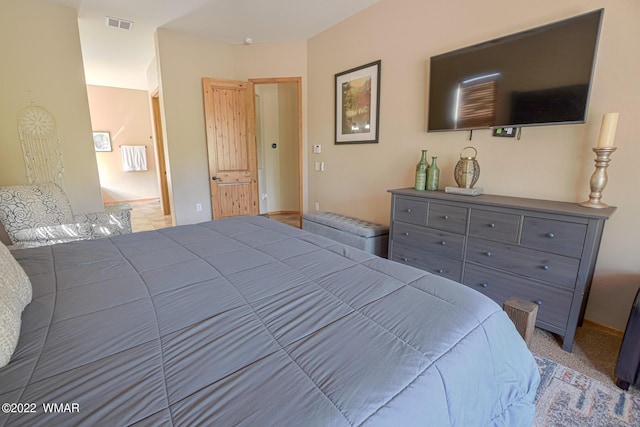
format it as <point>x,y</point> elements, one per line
<point>198,207</point>
<point>317,206</point>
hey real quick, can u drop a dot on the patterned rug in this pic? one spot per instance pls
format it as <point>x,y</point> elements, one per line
<point>568,398</point>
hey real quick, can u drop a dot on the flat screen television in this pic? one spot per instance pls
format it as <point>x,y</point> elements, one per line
<point>536,77</point>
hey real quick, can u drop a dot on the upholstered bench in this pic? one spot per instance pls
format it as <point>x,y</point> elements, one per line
<point>370,237</point>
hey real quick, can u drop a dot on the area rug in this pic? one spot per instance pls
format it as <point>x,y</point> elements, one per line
<point>568,398</point>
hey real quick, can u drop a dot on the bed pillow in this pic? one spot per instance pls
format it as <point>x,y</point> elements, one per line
<point>15,294</point>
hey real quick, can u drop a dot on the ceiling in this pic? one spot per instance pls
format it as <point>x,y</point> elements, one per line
<point>120,58</point>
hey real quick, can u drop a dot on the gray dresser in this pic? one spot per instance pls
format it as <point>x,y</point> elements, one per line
<point>538,250</point>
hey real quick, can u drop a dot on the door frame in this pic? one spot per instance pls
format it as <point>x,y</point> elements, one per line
<point>159,143</point>
<point>298,82</point>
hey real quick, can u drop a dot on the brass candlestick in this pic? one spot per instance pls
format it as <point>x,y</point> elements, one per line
<point>599,178</point>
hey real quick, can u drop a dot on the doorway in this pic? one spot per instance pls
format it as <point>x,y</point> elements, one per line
<point>232,146</point>
<point>279,148</point>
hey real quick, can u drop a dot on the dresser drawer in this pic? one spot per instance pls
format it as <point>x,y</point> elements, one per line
<point>560,237</point>
<point>553,303</point>
<point>448,218</point>
<point>445,267</point>
<point>494,225</point>
<point>410,210</point>
<point>551,268</point>
<point>442,243</point>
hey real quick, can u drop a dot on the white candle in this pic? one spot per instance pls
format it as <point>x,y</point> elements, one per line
<point>608,130</point>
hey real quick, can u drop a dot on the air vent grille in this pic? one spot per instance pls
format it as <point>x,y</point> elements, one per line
<point>123,24</point>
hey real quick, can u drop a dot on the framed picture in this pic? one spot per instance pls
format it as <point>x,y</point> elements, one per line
<point>102,141</point>
<point>358,104</point>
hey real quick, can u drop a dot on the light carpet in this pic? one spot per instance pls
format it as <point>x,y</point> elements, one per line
<point>568,398</point>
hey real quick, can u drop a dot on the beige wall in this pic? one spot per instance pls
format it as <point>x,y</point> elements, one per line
<point>42,64</point>
<point>126,115</point>
<point>288,143</point>
<point>551,162</point>
<point>182,62</point>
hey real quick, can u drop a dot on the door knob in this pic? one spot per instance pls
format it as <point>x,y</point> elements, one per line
<point>215,178</point>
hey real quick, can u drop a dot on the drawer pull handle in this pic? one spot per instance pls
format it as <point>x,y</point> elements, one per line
<point>545,267</point>
<point>440,271</point>
<point>488,253</point>
<point>551,235</point>
<point>406,233</point>
<point>483,285</point>
<point>492,225</point>
<point>408,210</point>
<point>538,302</point>
<point>446,217</point>
<point>443,243</point>
<point>405,259</point>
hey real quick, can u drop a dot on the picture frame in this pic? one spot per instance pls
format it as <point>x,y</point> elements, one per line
<point>102,141</point>
<point>357,104</point>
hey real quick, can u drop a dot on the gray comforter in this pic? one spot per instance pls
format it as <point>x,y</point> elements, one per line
<point>246,321</point>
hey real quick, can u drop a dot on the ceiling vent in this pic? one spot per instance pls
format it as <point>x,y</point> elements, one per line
<point>119,23</point>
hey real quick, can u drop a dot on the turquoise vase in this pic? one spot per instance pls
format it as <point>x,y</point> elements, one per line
<point>433,175</point>
<point>421,172</point>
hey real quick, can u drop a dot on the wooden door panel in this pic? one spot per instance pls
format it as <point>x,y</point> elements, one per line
<point>231,126</point>
<point>234,199</point>
<point>231,147</point>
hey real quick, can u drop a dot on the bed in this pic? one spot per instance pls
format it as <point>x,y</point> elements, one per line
<point>246,321</point>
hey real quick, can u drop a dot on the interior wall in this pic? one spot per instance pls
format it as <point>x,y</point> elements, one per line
<point>125,114</point>
<point>182,63</point>
<point>289,181</point>
<point>42,65</point>
<point>550,162</point>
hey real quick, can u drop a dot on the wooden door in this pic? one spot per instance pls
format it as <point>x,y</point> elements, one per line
<point>231,147</point>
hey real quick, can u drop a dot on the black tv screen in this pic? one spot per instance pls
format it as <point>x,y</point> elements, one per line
<point>536,77</point>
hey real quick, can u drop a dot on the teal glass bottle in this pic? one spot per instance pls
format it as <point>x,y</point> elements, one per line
<point>421,172</point>
<point>433,175</point>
